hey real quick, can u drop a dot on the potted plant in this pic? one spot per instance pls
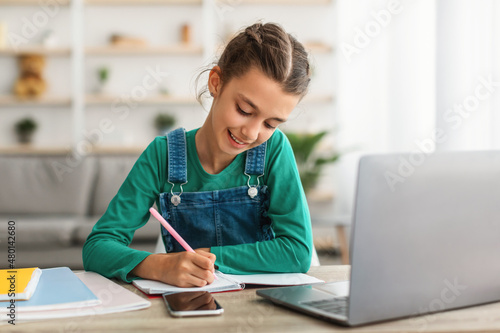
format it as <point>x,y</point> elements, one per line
<point>103,76</point>
<point>309,162</point>
<point>25,129</point>
<point>164,122</point>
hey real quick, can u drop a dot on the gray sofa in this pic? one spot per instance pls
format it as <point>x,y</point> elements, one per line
<point>55,201</point>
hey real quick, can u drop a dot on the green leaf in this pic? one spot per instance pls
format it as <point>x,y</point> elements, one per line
<point>304,146</point>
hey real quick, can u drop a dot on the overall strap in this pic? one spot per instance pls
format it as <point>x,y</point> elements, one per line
<point>177,156</point>
<point>256,159</point>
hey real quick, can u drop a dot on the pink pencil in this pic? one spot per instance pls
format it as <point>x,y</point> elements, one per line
<point>173,232</point>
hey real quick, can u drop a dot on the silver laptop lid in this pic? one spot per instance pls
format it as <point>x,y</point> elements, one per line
<point>426,234</point>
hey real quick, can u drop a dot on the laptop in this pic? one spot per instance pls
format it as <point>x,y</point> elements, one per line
<point>425,238</point>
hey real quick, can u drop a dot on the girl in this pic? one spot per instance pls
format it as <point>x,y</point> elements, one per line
<point>231,188</point>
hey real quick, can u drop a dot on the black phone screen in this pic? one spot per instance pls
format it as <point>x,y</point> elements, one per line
<point>192,303</point>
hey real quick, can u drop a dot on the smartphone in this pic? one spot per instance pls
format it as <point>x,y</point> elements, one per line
<point>192,303</point>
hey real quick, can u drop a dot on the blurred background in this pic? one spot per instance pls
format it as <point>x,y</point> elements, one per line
<point>86,85</point>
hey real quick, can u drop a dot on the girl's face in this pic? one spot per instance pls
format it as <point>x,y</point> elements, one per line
<point>247,110</point>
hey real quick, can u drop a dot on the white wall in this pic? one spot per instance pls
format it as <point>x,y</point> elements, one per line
<point>386,82</point>
<point>467,54</point>
<point>159,25</point>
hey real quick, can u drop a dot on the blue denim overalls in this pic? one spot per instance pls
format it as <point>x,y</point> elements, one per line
<point>217,218</point>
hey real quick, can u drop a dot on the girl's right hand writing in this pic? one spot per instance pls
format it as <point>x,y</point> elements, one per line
<point>181,269</point>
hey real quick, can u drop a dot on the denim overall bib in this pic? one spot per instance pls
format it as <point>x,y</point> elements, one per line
<point>214,218</point>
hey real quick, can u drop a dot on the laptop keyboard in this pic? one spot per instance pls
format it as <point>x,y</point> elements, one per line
<point>337,305</point>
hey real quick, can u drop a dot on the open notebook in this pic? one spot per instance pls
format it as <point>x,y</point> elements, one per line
<point>230,282</point>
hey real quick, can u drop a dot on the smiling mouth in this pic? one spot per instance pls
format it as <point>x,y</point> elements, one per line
<point>236,140</point>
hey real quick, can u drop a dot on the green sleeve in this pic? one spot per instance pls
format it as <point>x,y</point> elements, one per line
<point>291,250</point>
<point>106,249</point>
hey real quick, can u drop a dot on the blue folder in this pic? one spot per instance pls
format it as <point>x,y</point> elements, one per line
<point>58,288</point>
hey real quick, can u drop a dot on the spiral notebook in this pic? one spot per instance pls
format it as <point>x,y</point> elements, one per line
<point>230,282</point>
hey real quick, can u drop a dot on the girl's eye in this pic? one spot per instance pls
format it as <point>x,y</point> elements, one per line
<point>269,126</point>
<point>240,110</point>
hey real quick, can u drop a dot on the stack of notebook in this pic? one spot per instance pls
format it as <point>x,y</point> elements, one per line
<point>18,284</point>
<point>62,293</point>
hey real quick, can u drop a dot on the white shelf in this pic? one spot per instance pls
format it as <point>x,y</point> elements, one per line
<point>311,47</point>
<point>153,100</point>
<point>142,2</point>
<point>30,2</point>
<point>144,50</point>
<point>179,100</point>
<point>199,2</point>
<point>28,149</point>
<point>56,51</point>
<point>280,2</point>
<point>118,150</point>
<point>318,47</point>
<point>11,100</point>
<point>318,98</point>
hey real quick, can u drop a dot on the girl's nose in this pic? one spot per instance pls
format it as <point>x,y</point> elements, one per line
<point>251,131</point>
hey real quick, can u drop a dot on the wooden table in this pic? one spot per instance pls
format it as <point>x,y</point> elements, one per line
<point>244,311</point>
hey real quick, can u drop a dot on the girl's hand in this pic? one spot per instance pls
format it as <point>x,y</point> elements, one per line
<point>182,269</point>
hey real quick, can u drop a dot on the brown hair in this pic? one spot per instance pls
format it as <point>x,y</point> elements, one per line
<point>272,50</point>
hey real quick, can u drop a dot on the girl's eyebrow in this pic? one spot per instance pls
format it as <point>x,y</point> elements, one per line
<point>249,102</point>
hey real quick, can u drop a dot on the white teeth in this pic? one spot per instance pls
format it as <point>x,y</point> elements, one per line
<point>239,142</point>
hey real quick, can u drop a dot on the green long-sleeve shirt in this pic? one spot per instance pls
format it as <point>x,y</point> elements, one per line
<point>106,249</point>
